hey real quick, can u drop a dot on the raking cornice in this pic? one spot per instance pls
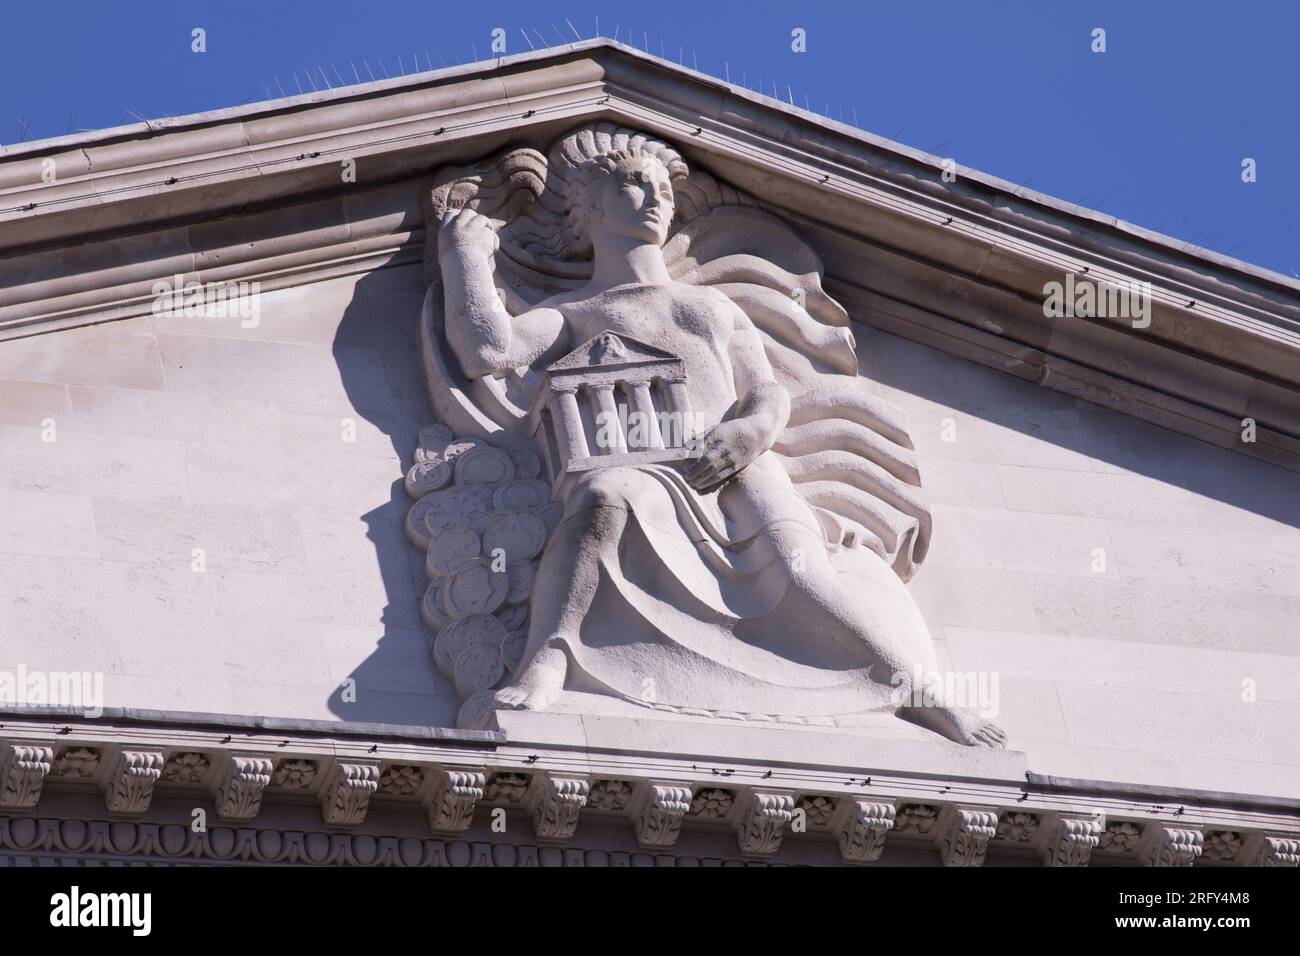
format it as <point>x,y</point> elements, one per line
<point>255,193</point>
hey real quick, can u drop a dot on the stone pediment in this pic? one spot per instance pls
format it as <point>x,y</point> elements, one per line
<point>609,351</point>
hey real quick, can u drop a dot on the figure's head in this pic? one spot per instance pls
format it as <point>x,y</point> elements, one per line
<point>617,183</point>
<point>628,194</point>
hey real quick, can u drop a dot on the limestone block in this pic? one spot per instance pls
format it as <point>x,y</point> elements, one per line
<point>327,600</point>
<point>118,354</point>
<point>278,478</point>
<point>227,537</point>
<point>1134,607</point>
<point>93,465</point>
<point>1013,541</point>
<point>216,419</point>
<point>44,582</point>
<point>41,522</point>
<point>273,371</point>
<point>28,404</point>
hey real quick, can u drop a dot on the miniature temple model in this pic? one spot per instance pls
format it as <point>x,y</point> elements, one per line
<point>612,401</point>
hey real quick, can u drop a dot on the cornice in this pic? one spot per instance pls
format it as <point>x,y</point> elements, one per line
<point>959,266</point>
<point>254,781</point>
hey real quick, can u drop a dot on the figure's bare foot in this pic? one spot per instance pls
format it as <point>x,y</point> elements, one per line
<point>959,724</point>
<point>537,684</point>
<point>510,698</point>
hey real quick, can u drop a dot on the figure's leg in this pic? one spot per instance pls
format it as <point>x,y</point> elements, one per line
<point>876,614</point>
<point>887,620</point>
<point>595,516</point>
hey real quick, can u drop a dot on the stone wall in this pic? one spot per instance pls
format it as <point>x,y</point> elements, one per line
<point>1134,670</point>
<point>174,434</point>
<point>177,434</point>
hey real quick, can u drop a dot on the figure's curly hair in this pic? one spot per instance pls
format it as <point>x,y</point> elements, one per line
<point>578,162</point>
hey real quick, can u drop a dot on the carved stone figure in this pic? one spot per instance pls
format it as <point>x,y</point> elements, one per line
<point>748,566</point>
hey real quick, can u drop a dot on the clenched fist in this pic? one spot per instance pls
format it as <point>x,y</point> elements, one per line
<point>468,234</point>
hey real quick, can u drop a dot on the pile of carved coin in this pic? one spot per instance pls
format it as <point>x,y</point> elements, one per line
<point>482,515</point>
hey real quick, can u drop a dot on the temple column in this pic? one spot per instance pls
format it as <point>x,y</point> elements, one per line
<point>569,434</point>
<point>609,430</point>
<point>679,411</point>
<point>642,405</point>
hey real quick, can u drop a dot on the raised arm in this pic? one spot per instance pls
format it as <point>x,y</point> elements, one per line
<point>486,339</point>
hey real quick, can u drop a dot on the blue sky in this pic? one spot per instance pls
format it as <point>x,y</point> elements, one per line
<point>1154,130</point>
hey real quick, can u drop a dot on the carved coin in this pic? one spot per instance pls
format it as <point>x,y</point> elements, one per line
<point>522,494</point>
<point>512,649</point>
<point>527,465</point>
<point>519,535</point>
<point>426,476</point>
<point>520,579</point>
<point>484,465</point>
<point>462,446</point>
<point>513,618</point>
<point>431,607</point>
<point>465,507</point>
<point>476,713</point>
<point>416,529</point>
<point>474,588</point>
<point>432,442</point>
<point>477,668</point>
<point>449,549</point>
<point>455,637</point>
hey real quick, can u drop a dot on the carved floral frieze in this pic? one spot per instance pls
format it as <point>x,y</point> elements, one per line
<point>77,762</point>
<point>400,781</point>
<point>554,802</point>
<point>712,803</point>
<point>294,774</point>
<point>186,767</point>
<point>609,795</point>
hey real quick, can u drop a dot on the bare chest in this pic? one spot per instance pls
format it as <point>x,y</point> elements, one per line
<point>680,320</point>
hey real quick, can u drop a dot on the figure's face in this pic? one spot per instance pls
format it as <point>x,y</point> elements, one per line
<point>635,200</point>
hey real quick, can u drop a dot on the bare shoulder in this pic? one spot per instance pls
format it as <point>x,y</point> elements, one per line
<point>560,300</point>
<point>709,294</point>
<point>738,316</point>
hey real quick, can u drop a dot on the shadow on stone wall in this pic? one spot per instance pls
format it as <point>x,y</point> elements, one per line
<point>397,683</point>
